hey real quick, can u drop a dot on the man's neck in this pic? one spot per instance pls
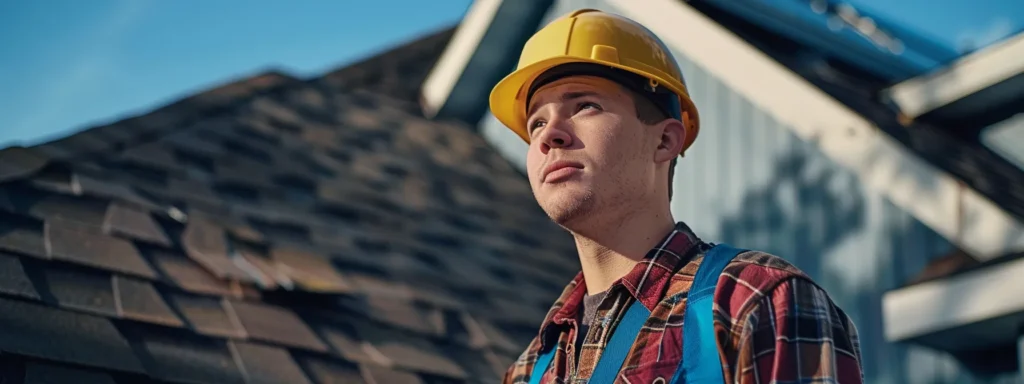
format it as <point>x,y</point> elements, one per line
<point>609,250</point>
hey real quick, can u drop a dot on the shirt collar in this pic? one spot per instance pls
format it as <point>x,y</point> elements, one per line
<point>647,280</point>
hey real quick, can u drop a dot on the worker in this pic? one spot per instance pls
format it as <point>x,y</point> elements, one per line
<point>604,108</point>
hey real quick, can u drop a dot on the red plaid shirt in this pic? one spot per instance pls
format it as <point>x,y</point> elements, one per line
<point>774,324</point>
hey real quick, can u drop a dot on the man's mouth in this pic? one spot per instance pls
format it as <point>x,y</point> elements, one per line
<point>560,170</point>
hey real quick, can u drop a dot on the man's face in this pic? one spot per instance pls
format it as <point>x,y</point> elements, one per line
<point>588,150</point>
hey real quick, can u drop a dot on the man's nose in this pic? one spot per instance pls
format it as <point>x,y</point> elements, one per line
<point>554,136</point>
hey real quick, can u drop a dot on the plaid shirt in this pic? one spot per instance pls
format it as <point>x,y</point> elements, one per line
<point>774,325</point>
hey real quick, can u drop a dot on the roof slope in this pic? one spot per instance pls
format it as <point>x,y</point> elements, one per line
<point>274,230</point>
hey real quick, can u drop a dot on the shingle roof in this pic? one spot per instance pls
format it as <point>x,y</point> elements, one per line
<point>274,230</point>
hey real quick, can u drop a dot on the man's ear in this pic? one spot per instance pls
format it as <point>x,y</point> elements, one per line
<point>671,142</point>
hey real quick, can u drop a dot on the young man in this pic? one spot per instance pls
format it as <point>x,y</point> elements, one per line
<point>606,114</point>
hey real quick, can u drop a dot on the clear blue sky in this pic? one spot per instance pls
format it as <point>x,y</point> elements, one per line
<point>952,22</point>
<point>67,64</point>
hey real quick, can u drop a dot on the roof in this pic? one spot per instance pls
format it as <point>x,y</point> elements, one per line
<point>274,230</point>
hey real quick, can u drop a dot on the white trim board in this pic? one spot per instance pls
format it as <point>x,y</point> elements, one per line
<point>885,166</point>
<point>956,301</point>
<point>965,76</point>
<point>446,73</point>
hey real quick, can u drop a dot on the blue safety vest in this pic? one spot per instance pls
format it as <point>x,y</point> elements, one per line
<point>700,363</point>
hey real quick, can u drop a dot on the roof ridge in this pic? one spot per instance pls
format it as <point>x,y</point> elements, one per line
<point>148,126</point>
<point>141,128</point>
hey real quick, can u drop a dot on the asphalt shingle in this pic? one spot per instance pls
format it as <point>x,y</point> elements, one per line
<point>263,364</point>
<point>42,373</point>
<point>134,223</point>
<point>139,300</point>
<point>22,234</point>
<point>325,370</point>
<point>207,315</point>
<point>18,162</point>
<point>93,248</point>
<point>176,355</point>
<point>185,273</point>
<point>80,289</point>
<point>13,278</point>
<point>275,324</point>
<point>36,330</point>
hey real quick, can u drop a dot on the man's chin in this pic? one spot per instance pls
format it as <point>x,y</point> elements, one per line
<point>566,208</point>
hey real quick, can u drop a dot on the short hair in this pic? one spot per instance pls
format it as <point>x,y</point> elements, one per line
<point>649,113</point>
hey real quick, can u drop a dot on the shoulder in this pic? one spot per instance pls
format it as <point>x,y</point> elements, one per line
<point>753,276</point>
<point>762,270</point>
<point>749,276</point>
<point>759,284</point>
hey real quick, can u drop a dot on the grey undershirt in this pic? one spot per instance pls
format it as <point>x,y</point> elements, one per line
<point>585,317</point>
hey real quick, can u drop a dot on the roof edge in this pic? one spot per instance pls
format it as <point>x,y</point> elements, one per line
<point>131,129</point>
<point>484,49</point>
<point>143,125</point>
<point>960,214</point>
<point>457,54</point>
<point>961,79</point>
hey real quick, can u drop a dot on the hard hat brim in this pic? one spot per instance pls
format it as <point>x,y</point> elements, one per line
<point>508,97</point>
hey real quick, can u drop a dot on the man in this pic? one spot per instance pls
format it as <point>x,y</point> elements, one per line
<point>606,114</point>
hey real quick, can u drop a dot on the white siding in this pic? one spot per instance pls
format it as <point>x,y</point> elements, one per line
<point>750,182</point>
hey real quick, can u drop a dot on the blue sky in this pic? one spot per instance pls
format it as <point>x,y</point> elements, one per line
<point>66,65</point>
<point>952,22</point>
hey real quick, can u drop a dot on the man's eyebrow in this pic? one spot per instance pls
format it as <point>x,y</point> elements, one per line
<point>567,96</point>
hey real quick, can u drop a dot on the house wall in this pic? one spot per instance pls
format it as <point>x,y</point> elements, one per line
<point>750,182</point>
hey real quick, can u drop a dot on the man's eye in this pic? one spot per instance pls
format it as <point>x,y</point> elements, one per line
<point>586,105</point>
<point>535,125</point>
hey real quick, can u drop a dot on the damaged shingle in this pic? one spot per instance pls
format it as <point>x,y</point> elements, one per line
<point>186,273</point>
<point>207,244</point>
<point>310,271</point>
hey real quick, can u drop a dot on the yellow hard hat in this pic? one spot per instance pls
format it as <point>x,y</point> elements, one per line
<point>584,42</point>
